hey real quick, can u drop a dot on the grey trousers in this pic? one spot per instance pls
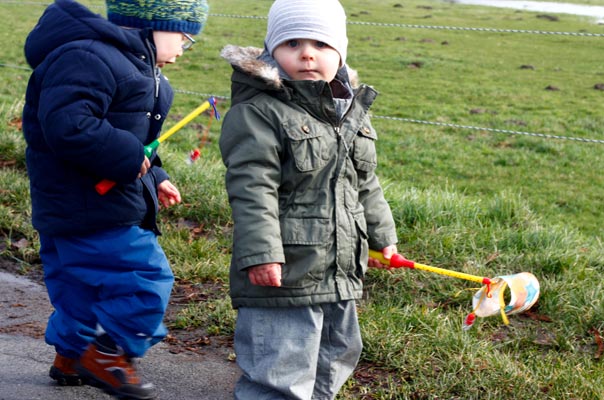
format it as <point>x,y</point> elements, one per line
<point>299,353</point>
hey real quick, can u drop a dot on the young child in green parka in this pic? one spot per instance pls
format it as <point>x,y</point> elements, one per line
<point>306,204</point>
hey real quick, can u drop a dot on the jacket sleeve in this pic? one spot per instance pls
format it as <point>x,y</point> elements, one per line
<point>251,148</point>
<point>157,170</point>
<point>74,99</point>
<point>381,228</point>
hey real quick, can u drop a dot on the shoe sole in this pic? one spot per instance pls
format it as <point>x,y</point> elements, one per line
<point>107,388</point>
<point>66,379</point>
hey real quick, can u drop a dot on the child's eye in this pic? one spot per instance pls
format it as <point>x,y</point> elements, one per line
<point>292,43</point>
<point>321,44</point>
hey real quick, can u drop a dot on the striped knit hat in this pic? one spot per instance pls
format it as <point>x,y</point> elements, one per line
<point>322,20</point>
<point>170,15</point>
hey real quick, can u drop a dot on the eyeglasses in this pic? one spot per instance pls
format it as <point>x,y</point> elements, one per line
<point>189,43</point>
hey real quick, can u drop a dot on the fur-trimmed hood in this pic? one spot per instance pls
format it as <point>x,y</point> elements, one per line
<point>255,62</point>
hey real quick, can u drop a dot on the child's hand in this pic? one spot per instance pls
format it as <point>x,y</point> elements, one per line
<point>265,274</point>
<point>144,167</point>
<point>167,194</point>
<point>387,252</point>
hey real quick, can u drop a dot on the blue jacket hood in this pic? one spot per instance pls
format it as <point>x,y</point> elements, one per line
<point>66,21</point>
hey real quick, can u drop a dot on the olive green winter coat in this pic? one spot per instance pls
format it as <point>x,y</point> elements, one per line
<point>301,185</point>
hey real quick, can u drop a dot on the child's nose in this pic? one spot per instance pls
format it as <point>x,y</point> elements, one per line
<point>307,52</point>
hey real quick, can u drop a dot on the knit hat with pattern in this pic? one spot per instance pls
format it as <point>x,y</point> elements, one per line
<point>322,20</point>
<point>170,15</point>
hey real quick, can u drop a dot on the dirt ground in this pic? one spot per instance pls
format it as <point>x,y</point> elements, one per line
<point>170,365</point>
<point>24,310</point>
<point>193,340</point>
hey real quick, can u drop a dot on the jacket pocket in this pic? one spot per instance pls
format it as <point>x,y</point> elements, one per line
<point>308,145</point>
<point>305,243</point>
<point>364,154</point>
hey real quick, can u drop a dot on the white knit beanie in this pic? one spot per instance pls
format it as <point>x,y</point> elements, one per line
<point>322,20</point>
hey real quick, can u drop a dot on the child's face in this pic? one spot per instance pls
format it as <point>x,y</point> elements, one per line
<point>305,59</point>
<point>169,46</point>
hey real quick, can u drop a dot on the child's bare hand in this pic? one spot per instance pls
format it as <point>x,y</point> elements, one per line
<point>168,194</point>
<point>265,274</point>
<point>144,167</point>
<point>387,252</point>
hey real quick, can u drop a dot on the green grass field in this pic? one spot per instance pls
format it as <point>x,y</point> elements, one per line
<point>465,195</point>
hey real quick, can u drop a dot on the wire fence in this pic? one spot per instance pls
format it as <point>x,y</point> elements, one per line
<point>398,26</point>
<point>436,27</point>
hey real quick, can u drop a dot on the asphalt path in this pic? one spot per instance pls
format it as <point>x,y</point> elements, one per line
<point>25,358</point>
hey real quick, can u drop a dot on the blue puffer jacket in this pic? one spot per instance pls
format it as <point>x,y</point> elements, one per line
<point>94,100</point>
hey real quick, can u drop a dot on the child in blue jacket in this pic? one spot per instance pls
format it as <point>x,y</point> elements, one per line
<point>95,98</point>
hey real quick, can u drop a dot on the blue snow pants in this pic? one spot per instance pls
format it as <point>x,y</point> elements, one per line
<point>118,278</point>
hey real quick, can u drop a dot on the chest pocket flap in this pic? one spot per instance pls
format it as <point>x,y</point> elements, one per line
<point>309,144</point>
<point>364,154</point>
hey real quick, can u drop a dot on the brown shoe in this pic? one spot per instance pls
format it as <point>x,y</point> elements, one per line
<point>115,373</point>
<point>63,371</point>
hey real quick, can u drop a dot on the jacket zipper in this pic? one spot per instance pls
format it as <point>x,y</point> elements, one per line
<point>337,129</point>
<point>156,76</point>
<point>156,70</point>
